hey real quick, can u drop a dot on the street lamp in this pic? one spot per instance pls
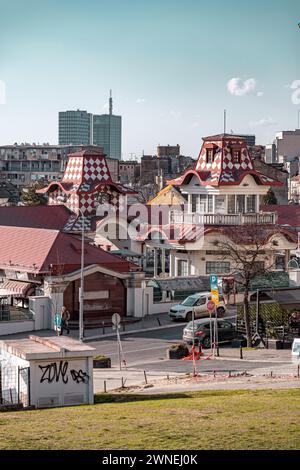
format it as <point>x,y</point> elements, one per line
<point>81,289</point>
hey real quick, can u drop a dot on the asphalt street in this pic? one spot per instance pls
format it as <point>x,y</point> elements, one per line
<point>147,350</point>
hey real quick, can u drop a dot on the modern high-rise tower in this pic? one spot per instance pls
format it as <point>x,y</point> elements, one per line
<point>82,128</point>
<point>107,132</point>
<point>75,128</point>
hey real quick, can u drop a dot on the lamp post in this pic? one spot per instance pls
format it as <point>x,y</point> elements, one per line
<point>81,291</point>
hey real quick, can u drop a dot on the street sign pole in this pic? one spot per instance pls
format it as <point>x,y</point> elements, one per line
<point>194,363</point>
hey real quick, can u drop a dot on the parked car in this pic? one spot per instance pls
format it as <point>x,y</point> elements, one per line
<point>201,333</point>
<point>198,302</point>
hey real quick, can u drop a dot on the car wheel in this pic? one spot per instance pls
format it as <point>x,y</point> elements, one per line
<point>221,311</point>
<point>206,342</point>
<point>189,316</point>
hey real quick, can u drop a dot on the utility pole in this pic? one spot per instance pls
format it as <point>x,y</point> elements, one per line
<point>81,295</point>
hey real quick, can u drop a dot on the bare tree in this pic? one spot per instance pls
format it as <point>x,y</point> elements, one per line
<point>244,246</point>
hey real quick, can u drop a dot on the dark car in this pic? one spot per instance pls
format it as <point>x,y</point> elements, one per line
<point>226,332</point>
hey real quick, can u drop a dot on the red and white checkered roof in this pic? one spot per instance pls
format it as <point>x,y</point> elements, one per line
<point>224,169</point>
<point>86,167</point>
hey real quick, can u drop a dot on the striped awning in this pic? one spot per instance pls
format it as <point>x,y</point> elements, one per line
<point>16,288</point>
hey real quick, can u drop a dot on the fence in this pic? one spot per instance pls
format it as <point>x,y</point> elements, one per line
<point>14,385</point>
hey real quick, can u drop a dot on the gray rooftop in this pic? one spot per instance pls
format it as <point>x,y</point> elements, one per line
<point>36,347</point>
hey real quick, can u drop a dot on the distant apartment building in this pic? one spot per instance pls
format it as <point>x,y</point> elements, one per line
<point>24,164</point>
<point>83,128</point>
<point>129,172</point>
<point>168,163</point>
<point>75,128</point>
<point>286,146</point>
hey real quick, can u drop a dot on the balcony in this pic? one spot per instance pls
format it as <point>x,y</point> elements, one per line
<point>223,219</point>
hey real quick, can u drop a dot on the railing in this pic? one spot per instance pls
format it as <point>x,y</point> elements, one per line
<point>223,219</point>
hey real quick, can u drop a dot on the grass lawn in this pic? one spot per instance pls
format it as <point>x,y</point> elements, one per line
<point>262,419</point>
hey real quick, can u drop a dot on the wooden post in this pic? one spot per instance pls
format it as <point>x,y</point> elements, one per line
<point>241,352</point>
<point>105,389</point>
<point>145,375</point>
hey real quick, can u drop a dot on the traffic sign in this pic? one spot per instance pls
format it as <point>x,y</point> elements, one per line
<point>215,296</point>
<point>116,319</point>
<point>211,306</point>
<point>213,282</point>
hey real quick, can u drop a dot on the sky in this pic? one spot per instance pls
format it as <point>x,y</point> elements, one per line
<point>173,68</point>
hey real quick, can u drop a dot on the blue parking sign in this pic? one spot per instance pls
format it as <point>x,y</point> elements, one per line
<point>213,282</point>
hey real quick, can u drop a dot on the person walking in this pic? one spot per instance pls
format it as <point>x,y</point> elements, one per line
<point>65,317</point>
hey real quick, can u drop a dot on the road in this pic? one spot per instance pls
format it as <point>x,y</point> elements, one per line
<point>147,351</point>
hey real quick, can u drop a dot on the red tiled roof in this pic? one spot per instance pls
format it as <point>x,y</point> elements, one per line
<point>287,214</point>
<point>47,217</point>
<point>35,250</point>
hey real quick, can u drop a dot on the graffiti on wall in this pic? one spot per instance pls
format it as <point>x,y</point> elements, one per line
<point>55,372</point>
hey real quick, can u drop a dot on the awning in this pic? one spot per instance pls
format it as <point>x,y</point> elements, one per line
<point>16,288</point>
<point>289,298</point>
<point>180,284</point>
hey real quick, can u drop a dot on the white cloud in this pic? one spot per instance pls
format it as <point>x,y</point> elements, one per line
<point>175,114</point>
<point>260,93</point>
<point>2,92</point>
<point>140,100</point>
<point>105,106</point>
<point>263,122</point>
<point>238,87</point>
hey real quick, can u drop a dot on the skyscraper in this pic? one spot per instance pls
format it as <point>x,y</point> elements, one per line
<point>82,128</point>
<point>107,132</point>
<point>75,128</point>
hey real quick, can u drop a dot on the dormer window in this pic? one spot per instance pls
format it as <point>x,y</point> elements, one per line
<point>209,155</point>
<point>236,156</point>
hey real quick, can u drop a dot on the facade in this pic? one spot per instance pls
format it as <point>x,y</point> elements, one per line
<point>224,193</point>
<point>107,133</point>
<point>129,172</point>
<point>25,164</point>
<point>75,128</point>
<point>287,145</point>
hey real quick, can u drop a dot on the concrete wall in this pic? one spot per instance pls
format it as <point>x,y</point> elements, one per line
<point>61,382</point>
<point>13,327</point>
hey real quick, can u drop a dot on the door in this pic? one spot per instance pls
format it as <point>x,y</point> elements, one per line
<point>200,307</point>
<point>225,331</point>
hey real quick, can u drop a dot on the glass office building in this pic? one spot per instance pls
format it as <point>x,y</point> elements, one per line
<point>75,128</point>
<point>107,133</point>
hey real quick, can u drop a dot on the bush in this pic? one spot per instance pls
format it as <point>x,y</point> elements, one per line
<point>178,347</point>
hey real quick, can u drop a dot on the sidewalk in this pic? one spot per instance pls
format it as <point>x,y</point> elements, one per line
<point>149,323</point>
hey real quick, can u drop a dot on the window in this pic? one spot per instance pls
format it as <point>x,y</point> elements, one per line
<point>210,204</point>
<point>194,202</point>
<point>220,206</point>
<point>236,156</point>
<point>240,204</point>
<point>217,267</point>
<point>231,204</point>
<point>182,267</point>
<point>209,155</point>
<point>251,203</point>
<point>259,266</point>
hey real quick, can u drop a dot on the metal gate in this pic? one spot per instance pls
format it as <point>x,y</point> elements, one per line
<point>14,385</point>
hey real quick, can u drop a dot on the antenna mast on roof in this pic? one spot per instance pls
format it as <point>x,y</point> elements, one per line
<point>110,103</point>
<point>225,116</point>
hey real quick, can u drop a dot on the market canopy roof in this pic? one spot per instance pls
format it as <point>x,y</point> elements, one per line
<point>288,298</point>
<point>199,283</point>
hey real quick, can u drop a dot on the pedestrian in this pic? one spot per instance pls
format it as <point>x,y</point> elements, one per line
<point>65,317</point>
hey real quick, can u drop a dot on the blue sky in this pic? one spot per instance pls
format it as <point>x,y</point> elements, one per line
<point>167,62</point>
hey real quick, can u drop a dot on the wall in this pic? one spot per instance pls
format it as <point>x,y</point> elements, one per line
<point>13,327</point>
<point>61,382</point>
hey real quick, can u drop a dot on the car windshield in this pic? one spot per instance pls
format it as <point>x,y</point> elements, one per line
<point>190,301</point>
<point>189,326</point>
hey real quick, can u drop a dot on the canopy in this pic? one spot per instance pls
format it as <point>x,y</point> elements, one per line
<point>199,283</point>
<point>16,288</point>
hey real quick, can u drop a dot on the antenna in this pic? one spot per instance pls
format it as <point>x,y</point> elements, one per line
<point>298,118</point>
<point>225,116</point>
<point>110,103</point>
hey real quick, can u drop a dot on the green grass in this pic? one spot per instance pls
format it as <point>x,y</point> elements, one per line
<point>262,419</point>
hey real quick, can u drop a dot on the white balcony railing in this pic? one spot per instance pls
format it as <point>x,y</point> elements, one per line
<point>223,219</point>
